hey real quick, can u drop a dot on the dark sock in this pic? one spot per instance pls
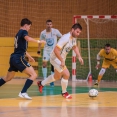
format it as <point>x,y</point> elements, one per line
<point>28,83</point>
<point>2,82</point>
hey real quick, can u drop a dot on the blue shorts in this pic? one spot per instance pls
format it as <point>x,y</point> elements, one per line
<point>18,63</point>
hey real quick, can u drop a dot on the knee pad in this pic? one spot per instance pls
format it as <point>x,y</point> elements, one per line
<point>102,71</point>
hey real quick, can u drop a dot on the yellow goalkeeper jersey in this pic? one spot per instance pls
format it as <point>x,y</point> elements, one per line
<point>111,56</point>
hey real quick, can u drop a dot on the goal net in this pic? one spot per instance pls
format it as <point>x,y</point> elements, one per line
<point>97,31</point>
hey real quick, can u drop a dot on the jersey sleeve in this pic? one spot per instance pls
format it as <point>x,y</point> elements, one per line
<point>114,52</point>
<point>58,33</point>
<point>24,33</point>
<point>42,36</point>
<point>62,41</point>
<point>101,53</point>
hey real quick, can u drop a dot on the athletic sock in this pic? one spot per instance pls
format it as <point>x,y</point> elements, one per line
<point>2,82</point>
<point>64,84</point>
<point>52,72</point>
<point>44,72</point>
<point>28,83</point>
<point>49,79</point>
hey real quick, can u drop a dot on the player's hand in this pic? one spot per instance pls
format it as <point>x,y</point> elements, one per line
<point>81,60</point>
<point>39,53</point>
<point>62,64</point>
<point>97,66</point>
<point>42,41</point>
<point>31,59</point>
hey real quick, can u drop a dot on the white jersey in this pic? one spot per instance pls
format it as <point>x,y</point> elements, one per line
<point>50,38</point>
<point>65,43</point>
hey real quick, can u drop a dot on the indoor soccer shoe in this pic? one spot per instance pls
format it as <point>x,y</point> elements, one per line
<point>67,95</point>
<point>96,84</point>
<point>40,87</point>
<point>24,95</point>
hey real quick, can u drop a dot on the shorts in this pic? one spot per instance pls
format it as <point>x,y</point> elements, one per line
<point>107,63</point>
<point>18,63</point>
<point>57,65</point>
<point>46,55</point>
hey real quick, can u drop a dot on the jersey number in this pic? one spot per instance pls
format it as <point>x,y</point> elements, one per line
<point>15,42</point>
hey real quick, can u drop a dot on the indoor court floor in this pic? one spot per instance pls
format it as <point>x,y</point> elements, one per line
<point>51,104</point>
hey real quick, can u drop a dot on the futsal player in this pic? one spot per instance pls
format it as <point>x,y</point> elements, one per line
<point>50,35</point>
<point>17,59</point>
<point>109,58</point>
<point>58,57</point>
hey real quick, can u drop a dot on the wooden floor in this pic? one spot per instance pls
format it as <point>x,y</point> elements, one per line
<point>52,104</point>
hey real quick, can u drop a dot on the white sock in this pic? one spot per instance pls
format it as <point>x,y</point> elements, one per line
<point>49,79</point>
<point>64,84</point>
<point>44,72</point>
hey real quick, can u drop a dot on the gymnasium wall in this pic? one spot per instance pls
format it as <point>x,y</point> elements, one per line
<point>7,47</point>
<point>61,13</point>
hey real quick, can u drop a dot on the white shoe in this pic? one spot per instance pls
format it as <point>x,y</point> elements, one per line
<point>24,95</point>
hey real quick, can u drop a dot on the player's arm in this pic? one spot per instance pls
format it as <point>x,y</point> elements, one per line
<point>30,39</point>
<point>59,35</point>
<point>76,50</point>
<point>31,59</point>
<point>114,52</point>
<point>57,50</point>
<point>39,45</point>
<point>39,49</point>
<point>98,60</point>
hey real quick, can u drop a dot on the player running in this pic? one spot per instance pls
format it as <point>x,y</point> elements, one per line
<point>58,57</point>
<point>17,59</point>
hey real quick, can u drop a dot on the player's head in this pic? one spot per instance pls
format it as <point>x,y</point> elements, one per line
<point>49,24</point>
<point>76,30</point>
<point>26,23</point>
<point>107,48</point>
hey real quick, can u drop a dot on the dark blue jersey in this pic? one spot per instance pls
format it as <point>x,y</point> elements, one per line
<point>20,45</point>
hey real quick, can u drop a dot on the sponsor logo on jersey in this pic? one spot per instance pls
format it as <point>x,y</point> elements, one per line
<point>50,41</point>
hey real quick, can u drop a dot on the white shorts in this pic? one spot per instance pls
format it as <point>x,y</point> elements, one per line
<point>57,64</point>
<point>46,55</point>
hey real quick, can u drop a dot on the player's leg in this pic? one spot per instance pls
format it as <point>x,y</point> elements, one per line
<point>100,75</point>
<point>52,72</point>
<point>53,77</point>
<point>7,78</point>
<point>10,73</point>
<point>32,76</point>
<point>23,66</point>
<point>44,69</point>
<point>64,83</point>
<point>114,64</point>
<point>49,79</point>
<point>44,66</point>
<point>106,64</point>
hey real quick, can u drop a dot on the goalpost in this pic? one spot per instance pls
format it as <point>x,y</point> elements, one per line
<point>97,31</point>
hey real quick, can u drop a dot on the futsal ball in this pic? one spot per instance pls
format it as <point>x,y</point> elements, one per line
<point>93,92</point>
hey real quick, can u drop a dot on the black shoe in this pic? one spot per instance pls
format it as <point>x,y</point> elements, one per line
<point>96,84</point>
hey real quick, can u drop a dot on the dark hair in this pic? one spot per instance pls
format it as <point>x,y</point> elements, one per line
<point>25,21</point>
<point>77,25</point>
<point>49,21</point>
<point>107,45</point>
